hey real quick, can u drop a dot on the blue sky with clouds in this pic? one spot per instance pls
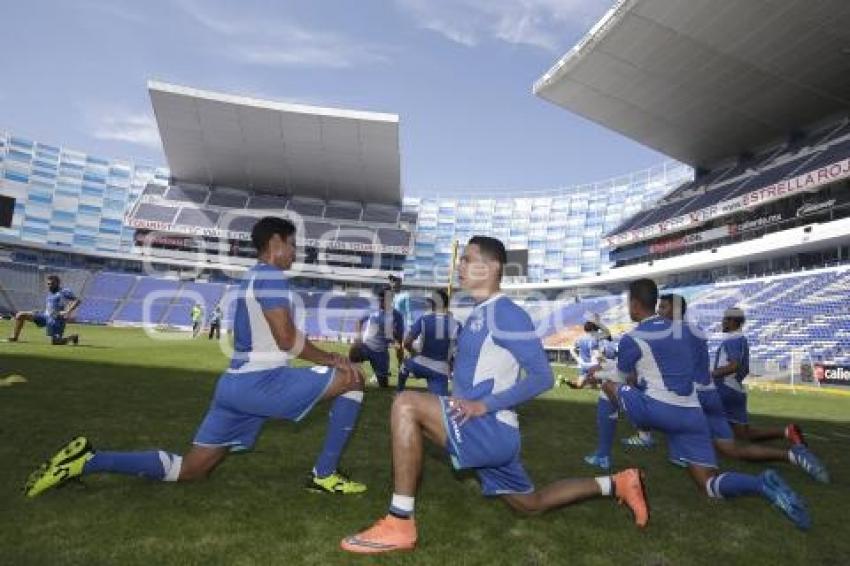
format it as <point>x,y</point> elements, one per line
<point>458,72</point>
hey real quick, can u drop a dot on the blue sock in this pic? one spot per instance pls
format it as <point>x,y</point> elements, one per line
<point>344,413</point>
<point>151,464</point>
<point>439,386</point>
<point>733,484</point>
<point>403,374</point>
<point>606,423</point>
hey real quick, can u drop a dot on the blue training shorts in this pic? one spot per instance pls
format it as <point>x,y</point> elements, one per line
<point>378,359</point>
<point>712,406</point>
<point>54,327</point>
<point>686,428</point>
<point>438,383</point>
<point>491,448</point>
<point>734,403</point>
<point>243,402</point>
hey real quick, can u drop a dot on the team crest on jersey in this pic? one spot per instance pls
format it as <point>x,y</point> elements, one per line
<point>476,324</point>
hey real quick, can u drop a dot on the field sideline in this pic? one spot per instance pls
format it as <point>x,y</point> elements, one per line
<point>126,391</point>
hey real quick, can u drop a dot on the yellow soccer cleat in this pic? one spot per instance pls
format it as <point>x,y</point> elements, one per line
<point>64,465</point>
<point>334,483</point>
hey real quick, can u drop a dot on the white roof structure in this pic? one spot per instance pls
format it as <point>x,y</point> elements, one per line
<point>701,80</point>
<point>217,139</point>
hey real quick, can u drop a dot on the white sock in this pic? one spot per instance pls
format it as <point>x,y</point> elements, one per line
<point>604,485</point>
<point>171,464</point>
<point>645,435</point>
<point>402,504</point>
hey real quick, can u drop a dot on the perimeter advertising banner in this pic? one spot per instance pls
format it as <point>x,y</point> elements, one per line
<point>806,182</point>
<point>831,374</point>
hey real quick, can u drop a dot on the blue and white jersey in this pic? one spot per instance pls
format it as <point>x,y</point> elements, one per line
<point>263,288</point>
<point>662,355</point>
<point>500,359</point>
<point>56,302</point>
<point>401,303</point>
<point>381,328</point>
<point>586,346</point>
<point>609,348</point>
<point>734,347</point>
<point>702,361</point>
<point>438,333</point>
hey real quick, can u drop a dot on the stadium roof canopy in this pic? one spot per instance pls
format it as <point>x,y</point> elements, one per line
<point>702,80</point>
<point>219,139</point>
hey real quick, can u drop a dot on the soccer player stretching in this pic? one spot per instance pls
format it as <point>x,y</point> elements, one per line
<point>664,357</point>
<point>61,304</point>
<point>259,385</point>
<point>712,406</point>
<point>730,368</point>
<point>477,426</point>
<point>438,331</point>
<point>375,332</point>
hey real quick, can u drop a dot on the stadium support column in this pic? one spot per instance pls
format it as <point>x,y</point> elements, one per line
<point>452,269</point>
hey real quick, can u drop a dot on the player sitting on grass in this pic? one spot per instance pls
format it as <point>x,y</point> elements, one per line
<point>478,426</point>
<point>61,304</point>
<point>259,385</point>
<point>437,331</point>
<point>375,333</point>
<point>721,432</point>
<point>730,367</point>
<point>664,357</point>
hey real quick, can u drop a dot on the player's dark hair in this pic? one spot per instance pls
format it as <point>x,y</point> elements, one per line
<point>492,249</point>
<point>645,292</point>
<point>440,299</point>
<point>590,327</point>
<point>266,228</point>
<point>54,277</point>
<point>382,296</point>
<point>673,298</point>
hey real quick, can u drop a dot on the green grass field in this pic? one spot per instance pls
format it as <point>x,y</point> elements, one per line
<point>126,391</point>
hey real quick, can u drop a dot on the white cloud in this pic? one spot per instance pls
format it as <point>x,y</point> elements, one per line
<point>139,129</point>
<point>545,24</point>
<point>275,42</point>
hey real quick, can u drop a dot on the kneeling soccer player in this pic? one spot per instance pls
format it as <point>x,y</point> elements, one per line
<point>259,385</point>
<point>666,357</point>
<point>477,426</point>
<point>721,432</point>
<point>438,332</point>
<point>60,305</point>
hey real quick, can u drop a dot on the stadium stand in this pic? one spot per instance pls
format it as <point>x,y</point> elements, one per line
<point>790,160</point>
<point>804,313</point>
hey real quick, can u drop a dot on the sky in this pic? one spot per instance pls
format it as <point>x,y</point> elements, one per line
<point>459,74</point>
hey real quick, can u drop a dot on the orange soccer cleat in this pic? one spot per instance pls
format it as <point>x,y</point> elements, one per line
<point>387,535</point>
<point>629,488</point>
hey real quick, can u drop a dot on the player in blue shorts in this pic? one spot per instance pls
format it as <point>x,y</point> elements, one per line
<point>664,357</point>
<point>437,331</point>
<point>588,348</point>
<point>259,385</point>
<point>673,307</point>
<point>730,368</point>
<point>478,426</point>
<point>60,305</point>
<point>376,332</point>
